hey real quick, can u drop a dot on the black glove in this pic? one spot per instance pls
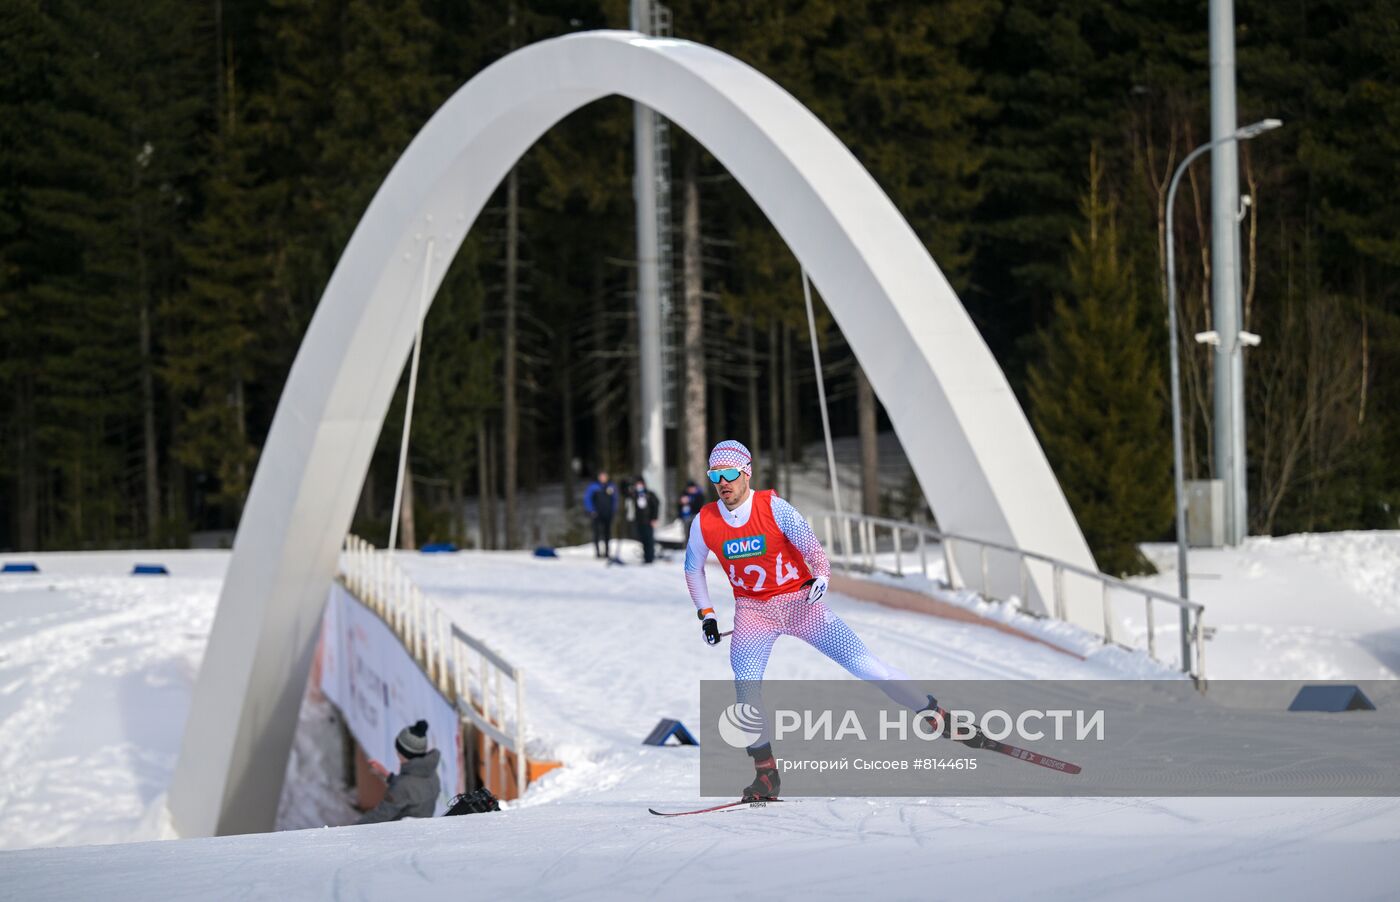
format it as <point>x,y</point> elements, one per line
<point>710,627</point>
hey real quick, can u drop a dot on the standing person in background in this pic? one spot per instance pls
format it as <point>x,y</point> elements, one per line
<point>414,790</point>
<point>600,501</point>
<point>689,504</point>
<point>643,508</point>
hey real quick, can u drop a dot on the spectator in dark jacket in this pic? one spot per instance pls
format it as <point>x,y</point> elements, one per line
<point>689,506</point>
<point>600,501</point>
<point>414,790</point>
<point>643,509</point>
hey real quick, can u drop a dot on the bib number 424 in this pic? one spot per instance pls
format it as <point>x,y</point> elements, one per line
<point>783,572</point>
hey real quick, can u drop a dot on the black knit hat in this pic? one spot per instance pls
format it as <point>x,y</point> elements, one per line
<point>413,741</point>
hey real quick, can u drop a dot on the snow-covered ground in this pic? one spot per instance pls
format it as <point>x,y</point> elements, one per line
<point>96,668</point>
<point>1316,606</point>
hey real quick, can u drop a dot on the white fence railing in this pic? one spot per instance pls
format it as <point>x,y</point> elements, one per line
<point>855,543</point>
<point>484,704</point>
<point>468,673</point>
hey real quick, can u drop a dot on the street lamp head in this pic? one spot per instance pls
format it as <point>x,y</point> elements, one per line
<point>1257,128</point>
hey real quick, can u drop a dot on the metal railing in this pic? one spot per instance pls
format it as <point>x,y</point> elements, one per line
<point>485,708</point>
<point>473,685</point>
<point>860,549</point>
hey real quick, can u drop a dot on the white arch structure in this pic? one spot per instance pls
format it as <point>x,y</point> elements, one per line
<point>967,438</point>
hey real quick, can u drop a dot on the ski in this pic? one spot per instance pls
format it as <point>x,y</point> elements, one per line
<point>1027,755</point>
<point>757,803</point>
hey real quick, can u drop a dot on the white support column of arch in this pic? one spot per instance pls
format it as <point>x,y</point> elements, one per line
<point>970,444</point>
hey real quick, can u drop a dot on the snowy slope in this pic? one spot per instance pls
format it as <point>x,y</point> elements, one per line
<point>606,848</point>
<point>1315,606</point>
<point>96,670</point>
<point>607,651</point>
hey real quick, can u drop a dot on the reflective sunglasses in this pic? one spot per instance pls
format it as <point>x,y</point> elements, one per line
<point>728,474</point>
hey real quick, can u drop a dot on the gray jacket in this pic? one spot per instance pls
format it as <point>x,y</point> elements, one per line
<point>413,792</point>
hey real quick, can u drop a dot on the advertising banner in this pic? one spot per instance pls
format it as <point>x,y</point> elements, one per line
<point>378,687</point>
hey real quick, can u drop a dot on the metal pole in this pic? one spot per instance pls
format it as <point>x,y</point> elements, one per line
<point>648,282</point>
<point>1178,465</point>
<point>1225,301</point>
<point>519,733</point>
<point>1243,134</point>
<point>412,388</point>
<point>1200,673</point>
<point>1237,434</point>
<point>821,394</point>
<point>1185,640</point>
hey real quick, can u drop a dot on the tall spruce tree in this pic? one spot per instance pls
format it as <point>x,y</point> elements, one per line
<point>1096,394</point>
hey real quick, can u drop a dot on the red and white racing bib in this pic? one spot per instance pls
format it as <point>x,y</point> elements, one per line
<point>758,558</point>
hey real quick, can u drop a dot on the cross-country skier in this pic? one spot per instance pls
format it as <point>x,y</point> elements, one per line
<point>779,573</point>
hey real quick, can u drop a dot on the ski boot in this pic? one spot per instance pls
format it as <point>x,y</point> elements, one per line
<point>765,782</point>
<point>975,741</point>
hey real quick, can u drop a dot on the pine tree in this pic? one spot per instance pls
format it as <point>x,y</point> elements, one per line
<point>1097,400</point>
<point>216,322</point>
<point>103,174</point>
<point>455,389</point>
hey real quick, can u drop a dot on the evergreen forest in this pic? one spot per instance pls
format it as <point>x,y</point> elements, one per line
<point>178,179</point>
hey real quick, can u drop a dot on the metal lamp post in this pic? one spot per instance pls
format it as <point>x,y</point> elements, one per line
<point>1241,134</point>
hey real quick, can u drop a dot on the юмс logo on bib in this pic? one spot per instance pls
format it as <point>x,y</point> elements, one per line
<point>748,546</point>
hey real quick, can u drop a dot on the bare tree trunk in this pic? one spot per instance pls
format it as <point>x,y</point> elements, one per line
<point>175,484</point>
<point>148,399</point>
<point>148,424</point>
<point>493,487</point>
<point>459,516</point>
<point>27,469</point>
<point>751,360</point>
<point>602,416</point>
<point>1365,366</point>
<point>869,452</point>
<point>367,497</point>
<point>512,411</point>
<point>1253,186</point>
<point>408,539</point>
<point>775,421</point>
<point>715,414</point>
<point>693,410</point>
<point>790,437</point>
<point>634,391</point>
<point>530,518</point>
<point>219,64</point>
<point>485,508</point>
<point>1303,399</point>
<point>566,412</point>
<point>240,421</point>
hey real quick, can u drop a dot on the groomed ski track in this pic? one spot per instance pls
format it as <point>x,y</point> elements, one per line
<point>609,650</point>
